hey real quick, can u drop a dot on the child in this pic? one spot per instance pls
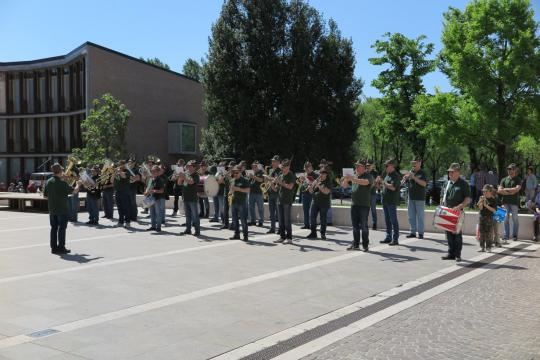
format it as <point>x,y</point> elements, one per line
<point>487,205</point>
<point>496,237</point>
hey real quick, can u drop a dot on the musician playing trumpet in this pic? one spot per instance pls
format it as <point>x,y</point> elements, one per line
<point>189,181</point>
<point>255,194</point>
<point>487,204</point>
<point>416,181</point>
<point>273,173</point>
<point>93,194</point>
<point>239,189</point>
<point>286,182</point>
<point>177,189</point>
<point>156,188</point>
<point>307,197</point>
<point>121,188</point>
<point>320,190</point>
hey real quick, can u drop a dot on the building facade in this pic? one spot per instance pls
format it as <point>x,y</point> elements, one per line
<point>43,102</point>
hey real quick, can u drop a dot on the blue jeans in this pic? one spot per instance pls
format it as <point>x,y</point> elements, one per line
<point>191,211</point>
<point>156,213</point>
<point>314,211</point>
<point>108,202</point>
<point>133,210</point>
<point>239,215</point>
<point>359,219</point>
<point>511,210</point>
<point>218,205</point>
<point>122,203</point>
<point>58,231</point>
<point>93,208</point>
<point>285,229</point>
<point>415,209</point>
<point>391,221</point>
<point>307,198</point>
<point>73,207</point>
<point>273,208</point>
<point>256,199</point>
<point>455,243</point>
<point>374,209</point>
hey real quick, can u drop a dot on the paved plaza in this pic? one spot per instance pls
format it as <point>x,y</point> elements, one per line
<point>131,294</point>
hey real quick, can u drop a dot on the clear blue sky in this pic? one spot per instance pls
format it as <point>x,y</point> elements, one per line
<point>174,30</point>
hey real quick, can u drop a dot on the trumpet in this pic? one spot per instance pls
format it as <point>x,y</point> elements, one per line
<point>313,185</point>
<point>406,177</point>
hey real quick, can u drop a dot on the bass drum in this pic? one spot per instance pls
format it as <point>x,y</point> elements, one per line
<point>207,186</point>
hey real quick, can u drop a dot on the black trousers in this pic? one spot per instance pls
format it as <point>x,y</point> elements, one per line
<point>177,192</point>
<point>359,219</point>
<point>204,206</point>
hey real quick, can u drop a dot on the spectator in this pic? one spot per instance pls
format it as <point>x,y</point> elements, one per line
<point>530,184</point>
<point>472,185</point>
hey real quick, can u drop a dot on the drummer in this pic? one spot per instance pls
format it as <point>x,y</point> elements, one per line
<point>457,195</point>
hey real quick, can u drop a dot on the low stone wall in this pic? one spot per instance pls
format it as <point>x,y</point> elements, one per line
<point>341,217</point>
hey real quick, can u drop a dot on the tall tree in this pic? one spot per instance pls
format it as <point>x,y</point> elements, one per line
<point>407,61</point>
<point>277,80</point>
<point>155,61</point>
<point>492,55</point>
<point>103,131</point>
<point>192,69</point>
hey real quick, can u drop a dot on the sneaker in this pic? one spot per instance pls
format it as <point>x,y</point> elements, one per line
<point>385,241</point>
<point>280,240</point>
<point>197,233</point>
<point>235,237</point>
<point>323,237</point>
<point>420,236</point>
<point>410,236</point>
<point>458,259</point>
<point>393,243</point>
<point>366,249</point>
<point>305,227</point>
<point>271,231</point>
<point>311,235</point>
<point>186,232</point>
<point>352,248</point>
<point>151,228</point>
<point>448,257</point>
<point>288,241</point>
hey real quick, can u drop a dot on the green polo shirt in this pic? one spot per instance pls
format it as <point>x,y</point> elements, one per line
<point>157,184</point>
<point>121,184</point>
<point>509,182</point>
<point>320,199</point>
<point>273,173</point>
<point>255,186</point>
<point>417,192</point>
<point>56,191</point>
<point>240,197</point>
<point>361,194</point>
<point>286,196</point>
<point>457,192</point>
<point>189,193</point>
<point>391,197</point>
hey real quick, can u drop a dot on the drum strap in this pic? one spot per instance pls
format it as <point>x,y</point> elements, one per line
<point>446,192</point>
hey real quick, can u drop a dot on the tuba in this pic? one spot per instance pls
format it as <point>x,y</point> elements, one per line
<point>107,172</point>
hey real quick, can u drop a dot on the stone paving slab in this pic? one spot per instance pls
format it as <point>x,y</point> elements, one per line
<point>112,274</point>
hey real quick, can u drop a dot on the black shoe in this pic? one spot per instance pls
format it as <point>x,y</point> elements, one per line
<point>251,223</point>
<point>393,243</point>
<point>271,231</point>
<point>120,224</point>
<point>213,220</point>
<point>458,259</point>
<point>448,257</point>
<point>184,224</point>
<point>151,228</point>
<point>420,236</point>
<point>260,225</point>
<point>158,230</point>
<point>54,251</point>
<point>223,227</point>
<point>63,251</point>
<point>312,235</point>
<point>174,213</point>
<point>185,232</point>
<point>305,227</point>
<point>323,237</point>
<point>89,223</point>
<point>352,248</point>
<point>235,237</point>
<point>366,249</point>
<point>245,239</point>
<point>374,227</point>
<point>410,236</point>
<point>280,240</point>
<point>127,225</point>
<point>385,241</point>
<point>330,224</point>
<point>104,217</point>
<point>197,233</point>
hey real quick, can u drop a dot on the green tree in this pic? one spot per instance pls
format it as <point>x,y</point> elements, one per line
<point>103,131</point>
<point>277,80</point>
<point>492,55</point>
<point>407,61</point>
<point>192,69</point>
<point>155,61</point>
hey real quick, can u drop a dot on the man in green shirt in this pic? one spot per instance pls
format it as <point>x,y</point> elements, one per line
<point>509,189</point>
<point>361,194</point>
<point>457,195</point>
<point>189,182</point>
<point>416,181</point>
<point>121,193</point>
<point>307,197</point>
<point>255,194</point>
<point>390,201</point>
<point>320,190</point>
<point>240,188</point>
<point>273,173</point>
<point>374,174</point>
<point>56,191</point>
<point>286,183</point>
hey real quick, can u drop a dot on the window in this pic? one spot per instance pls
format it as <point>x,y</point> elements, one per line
<point>66,89</point>
<point>3,171</point>
<point>182,138</point>
<point>3,136</point>
<point>15,92</point>
<point>30,135</point>
<point>54,90</point>
<point>54,134</point>
<point>29,87</point>
<point>2,93</point>
<point>42,93</point>
<point>42,134</point>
